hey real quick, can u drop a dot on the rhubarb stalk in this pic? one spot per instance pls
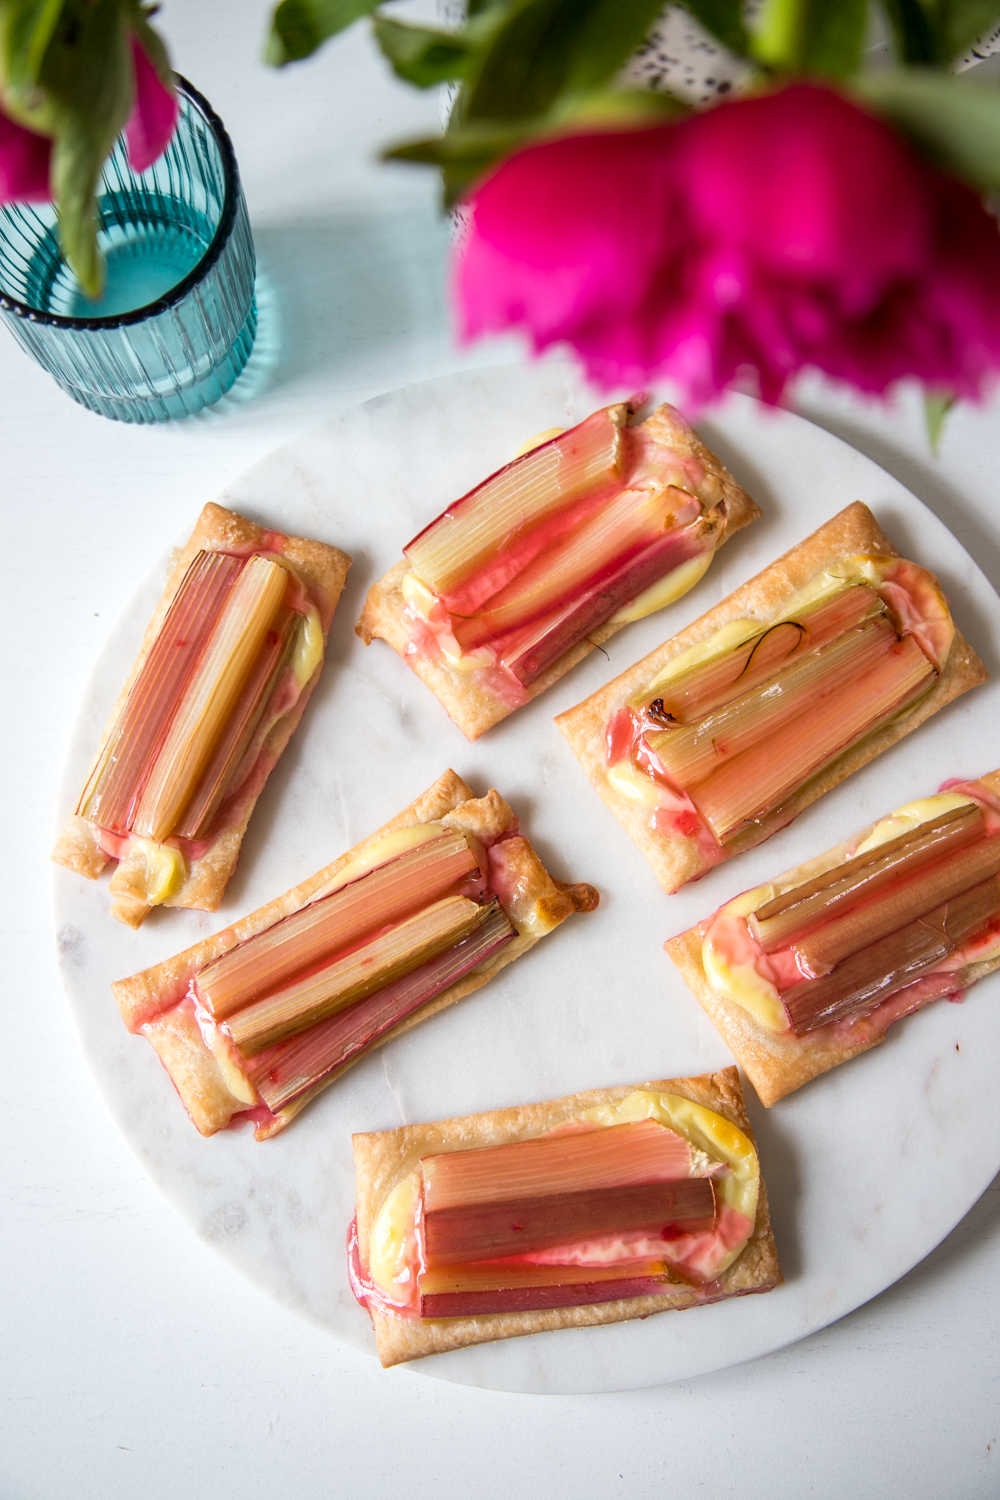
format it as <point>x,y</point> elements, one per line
<point>339,984</point>
<point>750,784</point>
<point>629,523</point>
<point>229,660</point>
<point>379,898</point>
<point>519,1299</point>
<point>896,906</point>
<point>687,697</point>
<point>612,1156</point>
<point>518,1226</point>
<point>237,737</point>
<point>691,753</point>
<point>781,921</point>
<point>118,779</point>
<point>867,978</point>
<point>460,554</point>
<point>284,1072</point>
<point>528,652</point>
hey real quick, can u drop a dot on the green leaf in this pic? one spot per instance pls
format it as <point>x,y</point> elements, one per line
<point>912,25</point>
<point>547,47</point>
<point>88,79</point>
<point>835,35</point>
<point>965,21</point>
<point>954,122</point>
<point>421,55</point>
<point>26,28</point>
<point>298,27</point>
<point>152,44</point>
<point>811,36</point>
<point>724,19</point>
<point>467,151</point>
<point>937,31</point>
<point>936,409</point>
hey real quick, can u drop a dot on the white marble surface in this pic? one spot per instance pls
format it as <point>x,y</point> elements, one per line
<point>868,1168</point>
<point>135,1360</point>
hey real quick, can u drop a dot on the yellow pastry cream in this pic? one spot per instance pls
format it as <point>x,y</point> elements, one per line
<point>877,914</point>
<point>712,1148</point>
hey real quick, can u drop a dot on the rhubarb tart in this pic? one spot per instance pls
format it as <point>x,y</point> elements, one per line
<point>724,734</point>
<point>603,1206</point>
<point>522,577</point>
<point>226,667</point>
<point>259,1019</point>
<point>814,967</point>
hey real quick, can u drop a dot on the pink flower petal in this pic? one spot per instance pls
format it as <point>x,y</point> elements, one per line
<point>767,235</point>
<point>24,164</point>
<point>154,114</point>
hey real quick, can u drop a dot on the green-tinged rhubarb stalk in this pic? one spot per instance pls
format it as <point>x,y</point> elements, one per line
<point>747,786</point>
<point>214,691</point>
<point>690,753</point>
<point>285,1072</point>
<point>486,1277</point>
<point>780,922</point>
<point>462,542</point>
<point>383,896</point>
<point>339,984</point>
<point>902,902</point>
<point>519,1226</point>
<point>238,734</point>
<point>867,978</point>
<point>118,778</point>
<point>615,1156</point>
<point>686,697</point>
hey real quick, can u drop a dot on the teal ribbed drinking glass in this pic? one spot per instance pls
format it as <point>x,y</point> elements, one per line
<point>176,322</point>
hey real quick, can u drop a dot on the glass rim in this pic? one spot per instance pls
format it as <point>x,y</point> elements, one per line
<point>198,272</point>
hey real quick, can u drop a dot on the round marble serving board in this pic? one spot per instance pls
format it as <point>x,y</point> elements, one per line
<point>867,1168</point>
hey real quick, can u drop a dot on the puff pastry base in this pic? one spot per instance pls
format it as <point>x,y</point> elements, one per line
<point>153,1002</point>
<point>383,1158</point>
<point>478,700</point>
<point>323,569</point>
<point>779,1063</point>
<point>675,859</point>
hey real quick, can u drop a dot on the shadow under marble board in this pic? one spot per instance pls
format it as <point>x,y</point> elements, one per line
<point>868,1168</point>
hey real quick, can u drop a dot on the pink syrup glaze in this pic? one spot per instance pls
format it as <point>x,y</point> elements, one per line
<point>422,642</point>
<point>988,801</point>
<point>366,1292</point>
<point>915,598</point>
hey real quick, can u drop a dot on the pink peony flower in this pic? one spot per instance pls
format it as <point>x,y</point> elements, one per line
<point>151,123</point>
<point>771,233</point>
<point>25,157</point>
<point>24,164</point>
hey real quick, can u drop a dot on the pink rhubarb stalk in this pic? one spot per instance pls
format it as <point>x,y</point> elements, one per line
<point>284,1072</point>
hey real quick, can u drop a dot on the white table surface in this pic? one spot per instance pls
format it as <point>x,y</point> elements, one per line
<point>134,1361</point>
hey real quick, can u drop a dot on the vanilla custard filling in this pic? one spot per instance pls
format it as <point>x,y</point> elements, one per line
<point>389,846</point>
